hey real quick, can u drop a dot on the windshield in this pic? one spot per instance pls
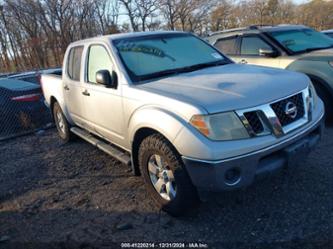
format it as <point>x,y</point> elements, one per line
<point>155,56</point>
<point>302,40</point>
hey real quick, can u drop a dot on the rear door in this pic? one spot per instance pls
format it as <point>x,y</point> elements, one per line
<point>103,105</point>
<point>72,83</point>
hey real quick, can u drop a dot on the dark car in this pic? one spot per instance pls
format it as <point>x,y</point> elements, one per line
<point>34,76</point>
<point>22,107</point>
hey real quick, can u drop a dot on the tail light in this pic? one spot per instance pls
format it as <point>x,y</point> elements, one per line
<point>27,98</point>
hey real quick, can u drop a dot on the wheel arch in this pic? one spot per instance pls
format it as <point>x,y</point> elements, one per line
<point>317,74</point>
<point>63,107</point>
<point>139,136</point>
<point>319,82</point>
<point>326,94</point>
<point>53,100</point>
<point>148,120</point>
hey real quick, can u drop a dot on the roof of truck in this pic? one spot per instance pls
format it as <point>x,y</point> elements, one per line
<point>124,35</point>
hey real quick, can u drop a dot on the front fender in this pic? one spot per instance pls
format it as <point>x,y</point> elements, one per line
<point>315,69</point>
<point>163,121</point>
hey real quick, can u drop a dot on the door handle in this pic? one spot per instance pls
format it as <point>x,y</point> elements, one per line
<point>66,88</point>
<point>243,61</point>
<point>86,93</point>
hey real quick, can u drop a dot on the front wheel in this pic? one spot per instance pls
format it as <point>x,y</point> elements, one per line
<point>165,177</point>
<point>61,123</point>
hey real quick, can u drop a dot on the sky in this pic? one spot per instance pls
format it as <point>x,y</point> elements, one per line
<point>300,1</point>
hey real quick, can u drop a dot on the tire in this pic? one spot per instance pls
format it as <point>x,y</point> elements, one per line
<point>182,193</point>
<point>61,123</point>
<point>328,102</point>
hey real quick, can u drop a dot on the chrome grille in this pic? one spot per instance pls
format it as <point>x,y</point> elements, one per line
<point>280,109</point>
<point>254,121</point>
<point>278,118</point>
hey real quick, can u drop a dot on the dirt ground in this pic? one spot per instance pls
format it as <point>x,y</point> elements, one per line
<point>74,196</point>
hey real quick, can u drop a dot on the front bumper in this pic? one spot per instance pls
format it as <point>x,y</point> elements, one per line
<point>241,171</point>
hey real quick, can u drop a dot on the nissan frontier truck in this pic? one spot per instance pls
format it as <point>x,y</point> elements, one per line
<point>181,114</point>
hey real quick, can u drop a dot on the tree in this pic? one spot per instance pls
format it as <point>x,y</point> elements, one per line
<point>222,16</point>
<point>146,9</point>
<point>36,33</point>
<point>131,13</point>
<point>169,10</point>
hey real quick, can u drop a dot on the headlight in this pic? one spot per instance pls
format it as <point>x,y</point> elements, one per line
<point>313,95</point>
<point>222,126</point>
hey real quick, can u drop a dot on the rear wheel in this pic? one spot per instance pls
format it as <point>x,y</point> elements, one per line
<point>165,177</point>
<point>61,123</point>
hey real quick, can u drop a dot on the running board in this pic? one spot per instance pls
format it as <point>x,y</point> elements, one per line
<point>110,149</point>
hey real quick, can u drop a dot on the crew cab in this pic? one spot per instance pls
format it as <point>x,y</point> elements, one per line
<point>181,114</point>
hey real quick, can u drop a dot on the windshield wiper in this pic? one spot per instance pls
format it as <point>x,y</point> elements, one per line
<point>204,65</point>
<point>182,70</point>
<point>158,74</point>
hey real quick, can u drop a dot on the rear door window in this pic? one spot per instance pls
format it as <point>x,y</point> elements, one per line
<point>74,63</point>
<point>227,45</point>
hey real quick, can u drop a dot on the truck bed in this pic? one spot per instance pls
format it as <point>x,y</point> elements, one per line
<point>52,87</point>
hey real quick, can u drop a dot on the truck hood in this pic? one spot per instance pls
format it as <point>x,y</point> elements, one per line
<point>229,87</point>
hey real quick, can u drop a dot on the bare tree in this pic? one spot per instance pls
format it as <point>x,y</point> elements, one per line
<point>145,9</point>
<point>184,10</point>
<point>107,15</point>
<point>223,16</point>
<point>131,13</point>
<point>36,33</point>
<point>169,10</point>
<point>5,61</point>
<point>25,16</point>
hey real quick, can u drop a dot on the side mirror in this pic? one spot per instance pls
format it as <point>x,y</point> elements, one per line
<point>268,52</point>
<point>104,77</point>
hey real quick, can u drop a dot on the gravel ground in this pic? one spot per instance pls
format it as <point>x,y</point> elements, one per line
<point>63,196</point>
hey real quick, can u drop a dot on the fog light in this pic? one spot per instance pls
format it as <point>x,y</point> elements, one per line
<point>232,176</point>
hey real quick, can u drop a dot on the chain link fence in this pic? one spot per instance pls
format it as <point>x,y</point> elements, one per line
<point>22,108</point>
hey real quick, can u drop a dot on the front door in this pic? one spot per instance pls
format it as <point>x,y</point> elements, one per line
<point>249,52</point>
<point>103,105</point>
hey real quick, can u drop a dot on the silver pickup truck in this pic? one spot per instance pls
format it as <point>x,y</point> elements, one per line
<point>181,114</point>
